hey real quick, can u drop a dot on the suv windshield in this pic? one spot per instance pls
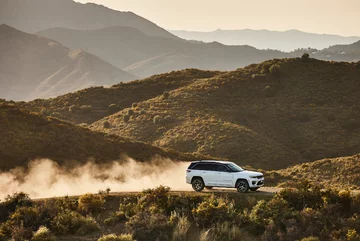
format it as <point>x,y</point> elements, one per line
<point>234,168</point>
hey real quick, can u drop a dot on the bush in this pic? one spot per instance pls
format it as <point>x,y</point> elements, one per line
<point>181,227</point>
<point>166,94</point>
<point>305,56</point>
<point>269,91</point>
<point>73,108</point>
<point>126,118</point>
<point>117,217</point>
<point>130,111</point>
<point>303,195</point>
<point>275,69</point>
<point>150,227</point>
<point>168,119</point>
<point>223,231</point>
<point>157,120</point>
<point>113,108</point>
<point>43,234</point>
<point>12,202</point>
<point>113,237</point>
<point>213,210</point>
<point>311,238</point>
<point>70,222</point>
<point>90,203</point>
<point>106,124</point>
<point>134,105</point>
<point>88,225</point>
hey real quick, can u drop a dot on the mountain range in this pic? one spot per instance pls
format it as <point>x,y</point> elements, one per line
<point>266,39</point>
<point>35,15</point>
<point>145,55</point>
<point>36,67</point>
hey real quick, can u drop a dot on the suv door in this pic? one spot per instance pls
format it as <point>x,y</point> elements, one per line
<point>224,176</point>
<point>208,173</point>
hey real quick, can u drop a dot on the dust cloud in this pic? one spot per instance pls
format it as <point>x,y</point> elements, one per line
<point>45,178</point>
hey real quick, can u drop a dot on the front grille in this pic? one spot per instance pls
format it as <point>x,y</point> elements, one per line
<point>260,183</point>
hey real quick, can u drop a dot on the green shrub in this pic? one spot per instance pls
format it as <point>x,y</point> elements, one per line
<point>168,119</point>
<point>223,231</point>
<point>12,202</point>
<point>117,217</point>
<point>275,69</point>
<point>150,227</point>
<point>73,108</point>
<point>70,222</point>
<point>305,56</point>
<point>43,234</point>
<point>130,111</point>
<point>113,108</point>
<point>114,237</point>
<point>166,94</point>
<point>88,225</point>
<point>182,226</point>
<point>134,105</point>
<point>90,203</point>
<point>157,120</point>
<point>311,238</point>
<point>126,118</point>
<point>269,91</point>
<point>85,109</point>
<point>213,210</point>
<point>303,194</point>
<point>106,124</point>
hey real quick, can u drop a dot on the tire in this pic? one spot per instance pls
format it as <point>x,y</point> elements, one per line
<point>242,186</point>
<point>197,184</point>
<point>254,189</point>
<point>209,188</point>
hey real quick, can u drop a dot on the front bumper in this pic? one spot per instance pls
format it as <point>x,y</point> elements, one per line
<point>254,182</point>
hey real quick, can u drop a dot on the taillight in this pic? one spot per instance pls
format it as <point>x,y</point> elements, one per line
<point>188,170</point>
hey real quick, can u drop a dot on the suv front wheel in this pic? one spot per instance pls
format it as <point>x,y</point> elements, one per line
<point>198,184</point>
<point>242,186</point>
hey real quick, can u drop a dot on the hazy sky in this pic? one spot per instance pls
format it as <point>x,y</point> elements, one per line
<point>319,16</point>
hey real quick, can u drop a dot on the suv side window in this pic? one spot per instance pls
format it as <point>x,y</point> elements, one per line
<point>205,167</point>
<point>222,168</point>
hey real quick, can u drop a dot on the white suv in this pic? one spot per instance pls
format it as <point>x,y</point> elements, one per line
<point>209,174</point>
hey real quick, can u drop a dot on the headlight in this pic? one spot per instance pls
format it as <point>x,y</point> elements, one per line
<point>253,176</point>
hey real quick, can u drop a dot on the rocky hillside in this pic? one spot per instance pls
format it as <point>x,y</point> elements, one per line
<point>268,115</point>
<point>26,136</point>
<point>36,67</point>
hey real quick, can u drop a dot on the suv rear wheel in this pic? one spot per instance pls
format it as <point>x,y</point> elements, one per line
<point>198,184</point>
<point>242,186</point>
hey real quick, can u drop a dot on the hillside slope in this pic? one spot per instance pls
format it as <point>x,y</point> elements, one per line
<point>35,15</point>
<point>26,136</point>
<point>269,115</point>
<point>341,172</point>
<point>145,55</point>
<point>92,104</point>
<point>282,40</point>
<point>36,67</point>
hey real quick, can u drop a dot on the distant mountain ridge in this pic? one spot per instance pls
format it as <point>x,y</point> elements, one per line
<point>265,39</point>
<point>145,55</point>
<point>36,67</point>
<point>35,15</point>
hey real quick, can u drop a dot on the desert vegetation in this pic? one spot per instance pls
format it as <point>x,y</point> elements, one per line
<point>303,212</point>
